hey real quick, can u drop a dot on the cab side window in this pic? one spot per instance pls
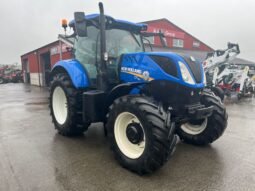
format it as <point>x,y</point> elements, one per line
<point>85,51</point>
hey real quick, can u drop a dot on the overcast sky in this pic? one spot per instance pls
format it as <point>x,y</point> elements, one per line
<point>29,24</point>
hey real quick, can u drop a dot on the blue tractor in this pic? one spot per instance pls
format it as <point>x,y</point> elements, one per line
<point>144,99</point>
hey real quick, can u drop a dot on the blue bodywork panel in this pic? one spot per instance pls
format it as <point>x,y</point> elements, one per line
<point>139,67</point>
<point>117,23</point>
<point>135,67</point>
<point>76,72</point>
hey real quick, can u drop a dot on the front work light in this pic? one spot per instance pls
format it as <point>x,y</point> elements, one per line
<point>186,76</point>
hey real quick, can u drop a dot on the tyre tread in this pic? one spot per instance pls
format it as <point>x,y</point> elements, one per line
<point>164,139</point>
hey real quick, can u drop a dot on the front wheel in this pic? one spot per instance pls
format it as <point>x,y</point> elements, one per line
<point>141,133</point>
<point>205,131</point>
<point>218,92</point>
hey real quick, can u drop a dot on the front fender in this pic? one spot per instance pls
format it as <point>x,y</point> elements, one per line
<point>75,70</point>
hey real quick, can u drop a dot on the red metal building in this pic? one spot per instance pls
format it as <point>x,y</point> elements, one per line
<point>175,36</point>
<point>37,64</point>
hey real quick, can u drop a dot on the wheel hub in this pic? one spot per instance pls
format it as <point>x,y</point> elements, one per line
<point>59,105</point>
<point>134,133</point>
<point>194,127</point>
<point>129,135</point>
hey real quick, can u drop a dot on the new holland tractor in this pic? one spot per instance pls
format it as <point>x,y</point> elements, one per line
<point>144,99</point>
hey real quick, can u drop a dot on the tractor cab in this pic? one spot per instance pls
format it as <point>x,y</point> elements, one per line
<point>121,37</point>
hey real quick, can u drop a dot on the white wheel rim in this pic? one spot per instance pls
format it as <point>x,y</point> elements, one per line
<point>1,80</point>
<point>129,149</point>
<point>193,129</point>
<point>59,104</point>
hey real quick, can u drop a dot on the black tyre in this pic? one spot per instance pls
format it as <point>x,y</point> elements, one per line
<point>66,107</point>
<point>239,96</point>
<point>218,92</point>
<point>1,80</point>
<point>141,133</point>
<point>205,131</point>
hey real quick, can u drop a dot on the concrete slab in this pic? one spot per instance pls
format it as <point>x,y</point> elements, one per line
<point>34,157</point>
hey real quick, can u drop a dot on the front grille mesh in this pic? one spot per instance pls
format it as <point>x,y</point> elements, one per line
<point>166,64</point>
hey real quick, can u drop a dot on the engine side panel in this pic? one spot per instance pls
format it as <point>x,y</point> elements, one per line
<point>140,67</point>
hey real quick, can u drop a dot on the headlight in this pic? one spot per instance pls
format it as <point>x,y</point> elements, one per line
<point>186,76</point>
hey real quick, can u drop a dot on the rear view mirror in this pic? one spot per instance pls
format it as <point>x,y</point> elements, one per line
<point>80,24</point>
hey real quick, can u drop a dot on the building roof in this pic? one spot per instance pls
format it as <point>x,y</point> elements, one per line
<point>47,45</point>
<point>171,23</point>
<point>242,61</point>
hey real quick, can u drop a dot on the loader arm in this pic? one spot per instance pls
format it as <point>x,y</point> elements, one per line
<point>221,57</point>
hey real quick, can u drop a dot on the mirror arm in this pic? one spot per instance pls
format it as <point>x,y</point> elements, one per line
<point>160,35</point>
<point>148,42</point>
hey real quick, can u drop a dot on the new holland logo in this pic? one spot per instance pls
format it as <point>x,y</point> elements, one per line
<point>145,75</point>
<point>133,70</point>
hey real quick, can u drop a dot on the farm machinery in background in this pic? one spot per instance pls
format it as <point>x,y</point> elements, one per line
<point>10,74</point>
<point>225,78</point>
<point>2,73</point>
<point>237,79</point>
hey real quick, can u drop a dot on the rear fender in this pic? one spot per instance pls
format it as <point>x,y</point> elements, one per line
<point>75,70</point>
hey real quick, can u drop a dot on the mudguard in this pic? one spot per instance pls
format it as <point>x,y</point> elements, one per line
<point>75,70</point>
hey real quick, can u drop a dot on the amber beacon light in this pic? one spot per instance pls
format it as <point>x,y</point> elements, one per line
<point>64,23</point>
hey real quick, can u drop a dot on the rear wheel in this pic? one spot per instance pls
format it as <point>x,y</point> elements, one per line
<point>141,133</point>
<point>205,131</point>
<point>66,107</point>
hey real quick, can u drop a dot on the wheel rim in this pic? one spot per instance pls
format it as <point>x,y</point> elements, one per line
<point>194,129</point>
<point>1,81</point>
<point>128,148</point>
<point>59,104</point>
